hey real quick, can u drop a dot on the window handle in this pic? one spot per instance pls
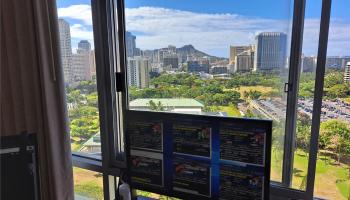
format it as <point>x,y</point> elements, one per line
<point>119,81</point>
<point>287,87</point>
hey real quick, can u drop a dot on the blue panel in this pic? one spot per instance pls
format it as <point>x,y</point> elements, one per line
<point>204,157</point>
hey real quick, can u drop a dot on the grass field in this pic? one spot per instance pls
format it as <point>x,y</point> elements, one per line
<point>347,100</point>
<point>332,181</point>
<point>88,183</point>
<point>264,90</point>
<point>231,110</point>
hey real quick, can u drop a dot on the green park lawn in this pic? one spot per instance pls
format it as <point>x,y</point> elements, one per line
<point>232,111</point>
<point>88,183</point>
<point>263,89</point>
<point>332,180</point>
<point>347,100</point>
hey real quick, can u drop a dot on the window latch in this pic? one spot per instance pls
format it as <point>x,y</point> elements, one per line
<point>119,81</point>
<point>287,87</point>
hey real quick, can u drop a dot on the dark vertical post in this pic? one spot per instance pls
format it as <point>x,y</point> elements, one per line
<point>293,84</point>
<point>318,94</point>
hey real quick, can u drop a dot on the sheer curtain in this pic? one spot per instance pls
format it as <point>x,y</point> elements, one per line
<point>32,89</point>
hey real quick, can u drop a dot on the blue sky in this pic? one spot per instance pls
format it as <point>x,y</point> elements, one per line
<point>212,26</point>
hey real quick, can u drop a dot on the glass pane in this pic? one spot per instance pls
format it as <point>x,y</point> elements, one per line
<point>224,58</point>
<point>306,93</point>
<point>333,164</point>
<point>88,185</point>
<point>78,63</point>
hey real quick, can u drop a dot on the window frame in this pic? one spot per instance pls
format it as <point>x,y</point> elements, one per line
<point>109,38</point>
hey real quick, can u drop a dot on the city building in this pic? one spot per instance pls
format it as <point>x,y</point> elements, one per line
<point>84,45</point>
<point>270,51</point>
<point>170,61</point>
<point>65,49</point>
<point>196,66</point>
<point>172,49</point>
<point>130,44</point>
<point>218,69</point>
<point>92,64</point>
<point>335,62</point>
<point>81,62</point>
<point>160,54</point>
<point>308,63</point>
<point>347,72</point>
<point>244,61</point>
<point>346,59</point>
<point>169,51</point>
<point>92,145</point>
<point>235,50</point>
<point>138,72</point>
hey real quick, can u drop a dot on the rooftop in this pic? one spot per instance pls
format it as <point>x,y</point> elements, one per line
<point>167,102</point>
<point>93,141</point>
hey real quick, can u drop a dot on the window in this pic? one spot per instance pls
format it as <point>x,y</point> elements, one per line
<point>230,59</point>
<point>79,66</point>
<point>227,59</point>
<point>333,164</point>
<point>306,94</point>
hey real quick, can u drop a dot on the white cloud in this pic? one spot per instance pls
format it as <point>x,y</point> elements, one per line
<point>80,32</point>
<point>212,33</point>
<point>338,41</point>
<point>157,27</point>
<point>339,37</point>
<point>80,12</point>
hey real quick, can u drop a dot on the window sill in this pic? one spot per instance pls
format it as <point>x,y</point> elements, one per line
<point>86,162</point>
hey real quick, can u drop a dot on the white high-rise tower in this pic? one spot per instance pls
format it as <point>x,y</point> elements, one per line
<point>347,72</point>
<point>66,49</point>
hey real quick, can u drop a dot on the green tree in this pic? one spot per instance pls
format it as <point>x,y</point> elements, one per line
<point>156,106</point>
<point>75,97</point>
<point>81,111</point>
<point>338,91</point>
<point>254,94</point>
<point>84,127</point>
<point>335,135</point>
<point>92,99</point>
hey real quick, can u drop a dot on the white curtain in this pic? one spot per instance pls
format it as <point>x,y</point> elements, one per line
<point>32,97</point>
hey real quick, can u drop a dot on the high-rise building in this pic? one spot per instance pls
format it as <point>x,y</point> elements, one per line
<point>244,61</point>
<point>218,69</point>
<point>235,50</point>
<point>85,45</point>
<point>196,66</point>
<point>337,62</point>
<point>170,61</point>
<point>138,72</point>
<point>347,72</point>
<point>81,65</point>
<point>65,49</point>
<point>346,59</point>
<point>270,51</point>
<point>172,49</point>
<point>308,63</point>
<point>92,64</point>
<point>130,42</point>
